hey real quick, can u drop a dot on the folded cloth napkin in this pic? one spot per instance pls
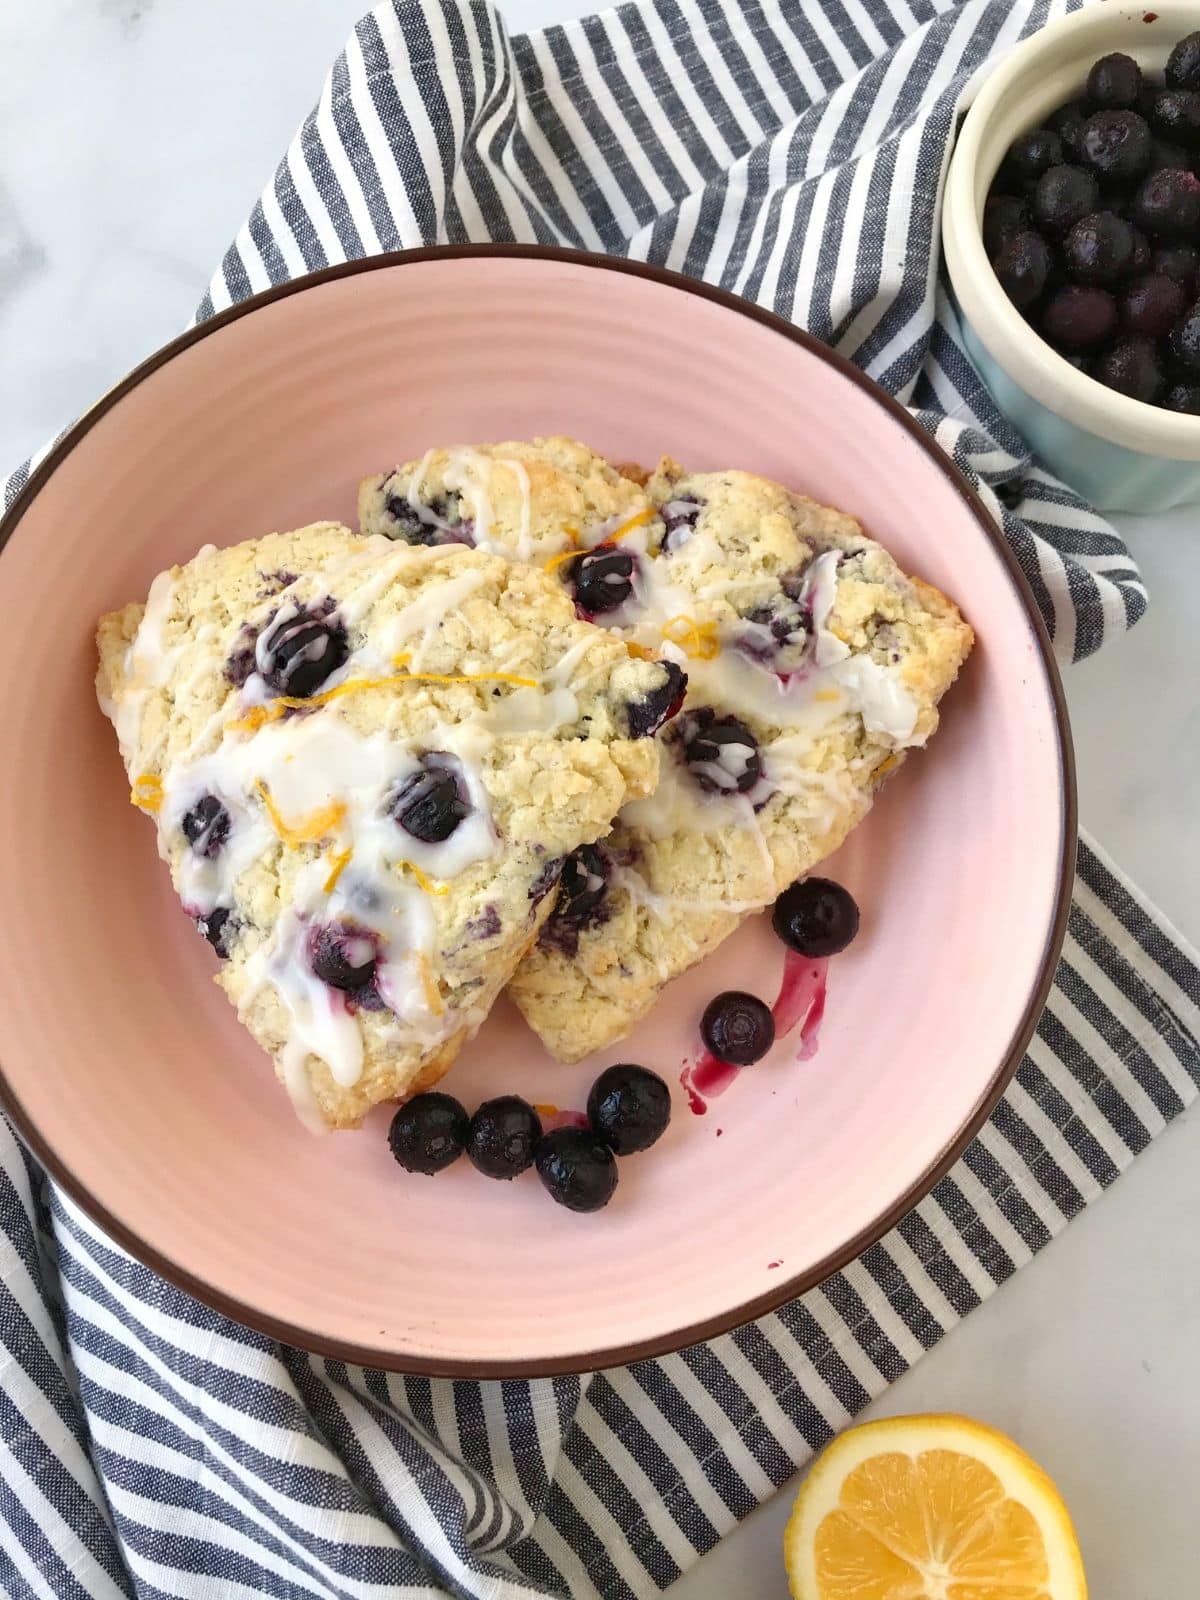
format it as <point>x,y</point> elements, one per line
<point>152,1447</point>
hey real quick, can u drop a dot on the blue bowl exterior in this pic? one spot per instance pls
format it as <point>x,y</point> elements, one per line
<point>1111,476</point>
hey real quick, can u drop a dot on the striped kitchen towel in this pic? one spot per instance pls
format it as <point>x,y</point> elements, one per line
<point>151,1447</point>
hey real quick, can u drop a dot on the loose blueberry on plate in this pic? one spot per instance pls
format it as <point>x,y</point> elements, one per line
<point>1022,267</point>
<point>206,826</point>
<point>502,1137</point>
<point>217,929</point>
<point>1151,306</point>
<point>577,1169</point>
<point>721,752</point>
<point>816,917</point>
<point>428,1133</point>
<point>1183,64</point>
<point>629,1107</point>
<point>301,652</point>
<point>646,716</point>
<point>1167,204</point>
<point>1116,145</point>
<point>1131,367</point>
<point>738,1028</point>
<point>1062,196</point>
<point>427,804</point>
<point>1076,317</point>
<point>342,955</point>
<point>602,579</point>
<point>1114,83</point>
<point>1098,249</point>
<point>1004,216</point>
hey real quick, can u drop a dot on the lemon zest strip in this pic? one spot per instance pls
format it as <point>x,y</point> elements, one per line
<point>697,640</point>
<point>432,997</point>
<point>337,865</point>
<point>310,829</point>
<point>258,715</point>
<point>424,881</point>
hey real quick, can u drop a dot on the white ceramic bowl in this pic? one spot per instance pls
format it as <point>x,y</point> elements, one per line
<point>1120,453</point>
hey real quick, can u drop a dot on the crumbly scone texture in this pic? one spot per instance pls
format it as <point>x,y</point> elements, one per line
<point>520,500</point>
<point>790,619</point>
<point>448,659</point>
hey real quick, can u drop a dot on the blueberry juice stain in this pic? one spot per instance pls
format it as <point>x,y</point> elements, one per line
<point>799,1003</point>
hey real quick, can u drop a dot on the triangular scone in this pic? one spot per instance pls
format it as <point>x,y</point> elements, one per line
<point>366,764</point>
<point>813,664</point>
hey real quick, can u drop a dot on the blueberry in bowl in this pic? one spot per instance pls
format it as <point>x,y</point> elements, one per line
<point>503,1136</point>
<point>1086,136</point>
<point>738,1028</point>
<point>577,1168</point>
<point>428,1133</point>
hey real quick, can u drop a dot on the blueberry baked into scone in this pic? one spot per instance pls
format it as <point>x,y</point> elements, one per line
<point>813,664</point>
<point>366,764</point>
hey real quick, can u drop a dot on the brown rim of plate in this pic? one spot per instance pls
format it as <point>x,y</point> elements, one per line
<point>790,1288</point>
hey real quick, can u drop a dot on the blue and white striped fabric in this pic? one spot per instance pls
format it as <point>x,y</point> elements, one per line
<point>150,1447</point>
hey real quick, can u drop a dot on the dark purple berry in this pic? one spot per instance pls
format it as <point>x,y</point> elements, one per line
<point>1183,64</point>
<point>1168,203</point>
<point>1030,155</point>
<point>1068,123</point>
<point>1114,83</point>
<point>581,885</point>
<point>440,521</point>
<point>1022,268</point>
<point>1182,397</point>
<point>1165,154</point>
<point>602,579</point>
<point>1176,117</point>
<point>647,716</point>
<point>300,652</point>
<point>546,880</point>
<point>738,1027</point>
<point>503,1136</point>
<point>206,826</point>
<point>1062,196</point>
<point>1004,216</point>
<point>680,516</point>
<point>721,752</point>
<point>1116,145</point>
<point>1185,340</point>
<point>217,928</point>
<point>815,917</point>
<point>429,804</point>
<point>1098,249</point>
<point>577,1169</point>
<point>1180,263</point>
<point>629,1107</point>
<point>428,1133</point>
<point>1151,306</point>
<point>1132,368</point>
<point>1077,317</point>
<point>342,955</point>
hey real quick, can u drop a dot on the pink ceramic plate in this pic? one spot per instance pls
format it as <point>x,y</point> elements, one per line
<point>123,1065</point>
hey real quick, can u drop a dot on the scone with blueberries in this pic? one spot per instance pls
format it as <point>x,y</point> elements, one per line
<point>366,764</point>
<point>813,665</point>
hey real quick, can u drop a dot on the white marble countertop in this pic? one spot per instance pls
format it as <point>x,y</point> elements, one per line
<point>134,135</point>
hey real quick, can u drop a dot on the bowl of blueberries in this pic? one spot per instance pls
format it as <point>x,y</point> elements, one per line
<point>1071,229</point>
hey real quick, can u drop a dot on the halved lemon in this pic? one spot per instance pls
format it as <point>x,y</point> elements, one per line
<point>930,1508</point>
